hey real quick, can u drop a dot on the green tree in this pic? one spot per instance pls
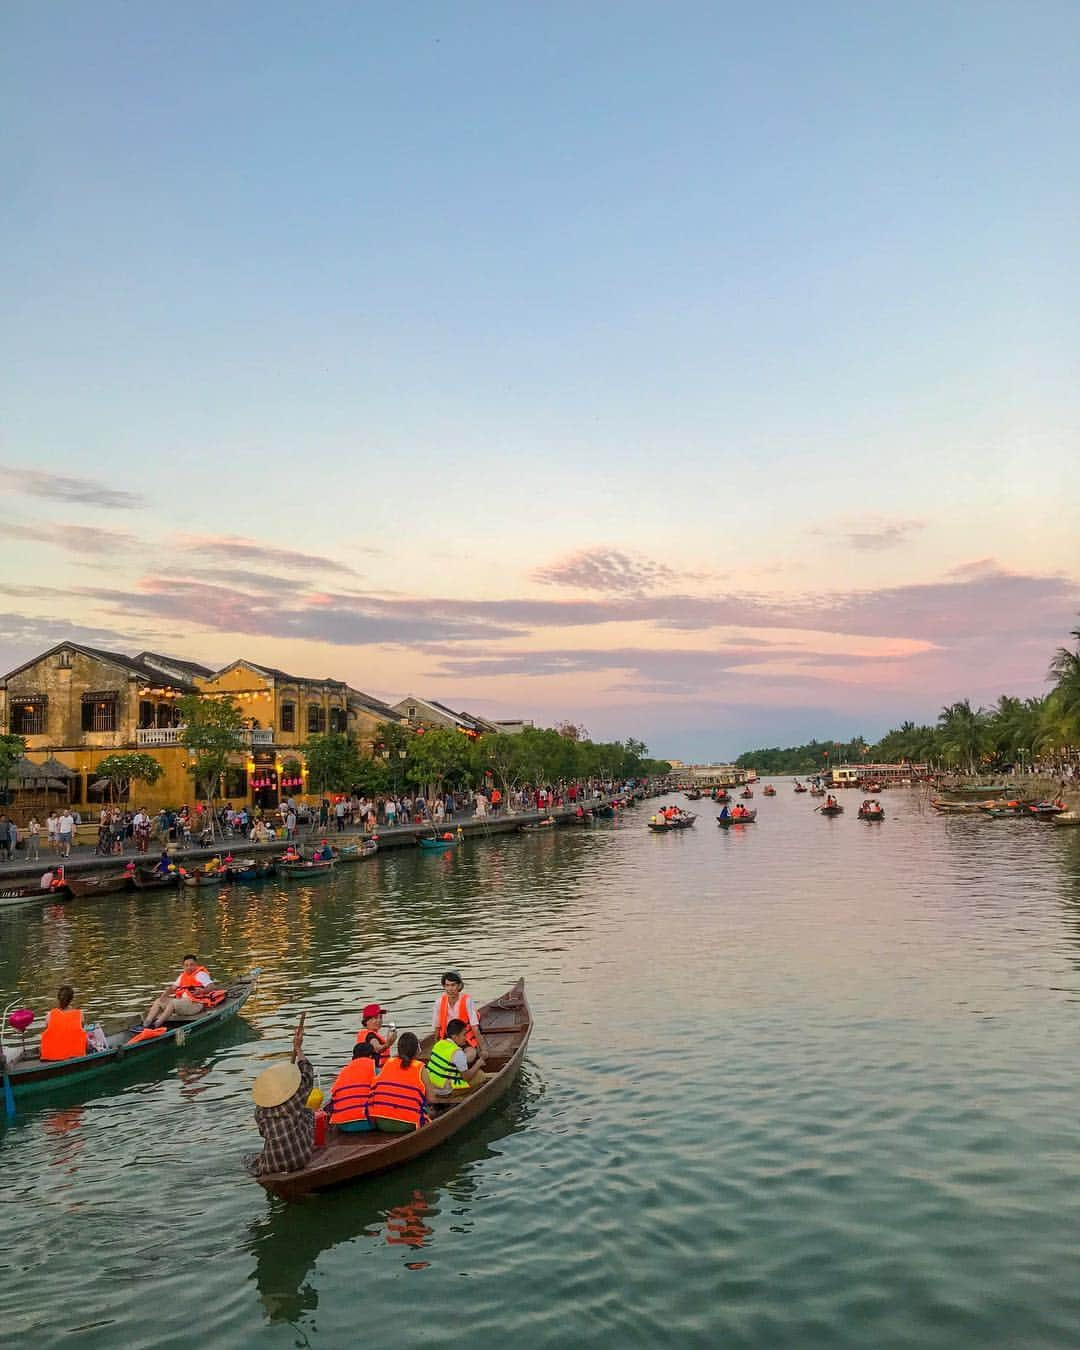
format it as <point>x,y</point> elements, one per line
<point>212,732</point>
<point>12,749</point>
<point>965,736</point>
<point>121,770</point>
<point>333,763</point>
<point>438,757</point>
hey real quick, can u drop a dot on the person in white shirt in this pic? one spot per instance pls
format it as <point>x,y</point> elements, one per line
<point>53,828</point>
<point>454,1002</point>
<point>185,998</point>
<point>65,828</point>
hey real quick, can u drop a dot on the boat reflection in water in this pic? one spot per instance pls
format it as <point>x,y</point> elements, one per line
<point>398,1208</point>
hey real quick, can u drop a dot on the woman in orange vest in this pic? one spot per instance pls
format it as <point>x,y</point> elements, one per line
<point>351,1092</point>
<point>456,1003</point>
<point>402,1091</point>
<point>64,1036</point>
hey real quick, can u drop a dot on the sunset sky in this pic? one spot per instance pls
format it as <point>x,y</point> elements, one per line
<point>691,371</point>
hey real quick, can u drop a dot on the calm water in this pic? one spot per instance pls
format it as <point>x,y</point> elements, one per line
<point>808,1083</point>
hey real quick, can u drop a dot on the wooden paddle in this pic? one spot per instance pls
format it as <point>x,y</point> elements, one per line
<point>298,1036</point>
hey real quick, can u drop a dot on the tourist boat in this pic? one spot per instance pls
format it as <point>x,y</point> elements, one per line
<point>355,852</point>
<point>23,893</point>
<point>816,792</point>
<point>798,787</point>
<point>27,1072</point>
<point>837,810</point>
<point>305,867</point>
<point>198,878</point>
<point>681,822</point>
<point>506,1024</point>
<point>693,796</point>
<point>871,813</point>
<point>1065,818</point>
<point>872,788</point>
<point>722,796</point>
<point>768,792</point>
<point>725,821</point>
<point>747,792</point>
<point>545,824</point>
<point>98,883</point>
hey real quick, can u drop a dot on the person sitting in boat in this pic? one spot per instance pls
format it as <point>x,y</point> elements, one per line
<point>282,1115</point>
<point>323,853</point>
<point>454,1002</point>
<point>830,800</point>
<point>64,1036</point>
<point>292,854</point>
<point>164,864</point>
<point>351,1093</point>
<point>371,1033</point>
<point>402,1091</point>
<point>448,1065</point>
<point>189,995</point>
<point>725,814</point>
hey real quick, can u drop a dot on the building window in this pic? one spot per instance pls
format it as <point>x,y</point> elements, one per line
<point>75,790</point>
<point>288,717</point>
<point>339,720</point>
<point>236,782</point>
<point>99,712</point>
<point>146,714</point>
<point>63,660</point>
<point>316,719</point>
<point>29,716</point>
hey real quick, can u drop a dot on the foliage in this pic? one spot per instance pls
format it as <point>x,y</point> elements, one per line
<point>333,763</point>
<point>121,770</point>
<point>12,749</point>
<point>813,757</point>
<point>211,734</point>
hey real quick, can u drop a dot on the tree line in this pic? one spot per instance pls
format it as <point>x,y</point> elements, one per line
<point>1013,731</point>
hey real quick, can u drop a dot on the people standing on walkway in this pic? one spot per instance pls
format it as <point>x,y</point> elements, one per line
<point>339,816</point>
<point>33,840</point>
<point>290,824</point>
<point>65,828</point>
<point>5,840</point>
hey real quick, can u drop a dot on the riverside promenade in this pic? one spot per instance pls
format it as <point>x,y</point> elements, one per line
<point>84,859</point>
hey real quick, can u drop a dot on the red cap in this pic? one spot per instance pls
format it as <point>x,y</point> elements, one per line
<point>372,1010</point>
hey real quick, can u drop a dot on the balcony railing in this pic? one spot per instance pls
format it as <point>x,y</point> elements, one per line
<point>157,736</point>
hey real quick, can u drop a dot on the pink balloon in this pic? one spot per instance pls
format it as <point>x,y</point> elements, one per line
<point>20,1018</point>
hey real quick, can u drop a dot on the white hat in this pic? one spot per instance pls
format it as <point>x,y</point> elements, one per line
<point>275,1085</point>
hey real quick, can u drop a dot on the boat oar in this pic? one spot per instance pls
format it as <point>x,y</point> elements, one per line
<point>298,1036</point>
<point>9,1096</point>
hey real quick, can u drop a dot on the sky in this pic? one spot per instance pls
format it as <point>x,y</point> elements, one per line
<point>688,371</point>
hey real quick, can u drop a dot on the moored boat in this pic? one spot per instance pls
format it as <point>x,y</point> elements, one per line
<point>27,1072</point>
<point>99,883</point>
<point>367,848</point>
<point>1067,818</point>
<point>305,868</point>
<point>24,892</point>
<point>546,824</point>
<point>506,1024</point>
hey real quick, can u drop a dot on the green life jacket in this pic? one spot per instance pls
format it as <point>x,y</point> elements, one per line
<point>440,1065</point>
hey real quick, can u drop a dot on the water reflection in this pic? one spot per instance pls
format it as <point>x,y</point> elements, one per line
<point>398,1209</point>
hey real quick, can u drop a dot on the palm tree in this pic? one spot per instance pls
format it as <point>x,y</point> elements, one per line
<point>1065,672</point>
<point>964,733</point>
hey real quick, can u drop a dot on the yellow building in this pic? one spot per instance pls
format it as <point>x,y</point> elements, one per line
<point>80,704</point>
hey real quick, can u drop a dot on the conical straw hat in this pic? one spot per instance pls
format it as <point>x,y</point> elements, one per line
<point>275,1085</point>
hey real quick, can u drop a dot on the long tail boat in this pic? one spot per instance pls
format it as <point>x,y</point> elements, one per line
<point>506,1024</point>
<point>27,1072</point>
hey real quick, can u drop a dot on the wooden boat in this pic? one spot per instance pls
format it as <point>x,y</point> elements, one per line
<point>305,868</point>
<point>98,883</point>
<point>768,792</point>
<point>23,893</point>
<point>355,852</point>
<point>725,821</point>
<point>29,1073</point>
<point>816,792</point>
<point>864,814</point>
<point>1068,818</point>
<point>831,810</point>
<point>204,879</point>
<point>506,1024</point>
<point>958,808</point>
<point>747,793</point>
<point>694,796</point>
<point>247,869</point>
<point>683,822</point>
<point>608,812</point>
<point>798,787</point>
<point>149,880</point>
<point>436,844</point>
<point>545,824</point>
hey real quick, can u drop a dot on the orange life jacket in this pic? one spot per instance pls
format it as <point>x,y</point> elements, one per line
<point>460,1010</point>
<point>351,1091</point>
<point>187,986</point>
<point>382,1054</point>
<point>63,1037</point>
<point>399,1093</point>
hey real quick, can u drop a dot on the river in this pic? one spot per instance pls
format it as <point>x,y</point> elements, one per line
<point>809,1082</point>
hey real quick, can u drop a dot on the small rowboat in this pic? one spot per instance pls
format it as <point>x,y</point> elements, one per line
<point>438,844</point>
<point>1068,818</point>
<point>799,788</point>
<point>197,879</point>
<point>545,824</point>
<point>250,870</point>
<point>879,814</point>
<point>149,880</point>
<point>694,796</point>
<point>506,1024</point>
<point>683,822</point>
<point>305,869</point>
<point>29,1073</point>
<point>747,793</point>
<point>768,792</point>
<point>99,883</point>
<point>24,894</point>
<point>831,810</point>
<point>815,792</point>
<point>367,848</point>
<point>725,821</point>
